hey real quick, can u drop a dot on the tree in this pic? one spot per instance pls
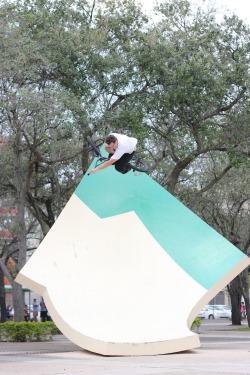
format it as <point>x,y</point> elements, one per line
<point>32,109</point>
<point>226,208</point>
<point>197,100</point>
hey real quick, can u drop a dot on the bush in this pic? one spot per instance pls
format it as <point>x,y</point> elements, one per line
<point>27,331</point>
<point>196,324</point>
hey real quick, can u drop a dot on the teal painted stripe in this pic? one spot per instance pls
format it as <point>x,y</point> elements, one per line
<point>202,252</point>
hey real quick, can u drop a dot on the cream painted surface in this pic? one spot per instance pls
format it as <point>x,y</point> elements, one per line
<point>109,280</point>
<point>245,262</point>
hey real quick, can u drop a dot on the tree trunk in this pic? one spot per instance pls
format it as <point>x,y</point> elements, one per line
<point>18,297</point>
<point>18,302</point>
<point>2,297</point>
<point>245,293</point>
<point>234,289</point>
<point>22,187</point>
<point>247,304</point>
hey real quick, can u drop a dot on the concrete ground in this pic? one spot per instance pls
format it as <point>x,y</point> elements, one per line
<point>223,351</point>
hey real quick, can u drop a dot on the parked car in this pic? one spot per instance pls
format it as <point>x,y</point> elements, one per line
<point>226,308</point>
<point>215,312</point>
<point>202,314</point>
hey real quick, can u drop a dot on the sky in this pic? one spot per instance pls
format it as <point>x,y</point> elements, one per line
<point>240,7</point>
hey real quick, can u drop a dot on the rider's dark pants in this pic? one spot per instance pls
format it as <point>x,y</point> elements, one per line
<point>121,165</point>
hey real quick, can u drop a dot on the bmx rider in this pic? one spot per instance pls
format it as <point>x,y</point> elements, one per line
<point>121,149</point>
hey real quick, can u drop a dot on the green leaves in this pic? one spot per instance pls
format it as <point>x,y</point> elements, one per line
<point>27,331</point>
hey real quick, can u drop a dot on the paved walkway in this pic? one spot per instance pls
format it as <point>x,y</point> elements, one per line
<point>223,351</point>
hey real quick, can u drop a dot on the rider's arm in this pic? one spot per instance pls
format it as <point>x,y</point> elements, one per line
<point>104,165</point>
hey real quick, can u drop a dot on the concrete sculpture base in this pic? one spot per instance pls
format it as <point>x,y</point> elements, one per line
<point>126,267</point>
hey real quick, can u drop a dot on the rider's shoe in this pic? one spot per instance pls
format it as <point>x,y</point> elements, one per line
<point>128,168</point>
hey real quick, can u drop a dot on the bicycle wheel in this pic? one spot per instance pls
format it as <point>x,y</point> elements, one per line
<point>95,146</point>
<point>138,164</point>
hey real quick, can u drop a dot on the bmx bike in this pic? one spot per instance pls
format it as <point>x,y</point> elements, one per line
<point>136,164</point>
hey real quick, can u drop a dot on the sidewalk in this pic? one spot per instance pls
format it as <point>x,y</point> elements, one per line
<point>60,344</point>
<point>223,351</point>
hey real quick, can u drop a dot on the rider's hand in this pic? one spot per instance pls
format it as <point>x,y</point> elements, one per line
<point>93,171</point>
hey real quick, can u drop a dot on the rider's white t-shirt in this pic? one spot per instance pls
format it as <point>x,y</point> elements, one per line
<point>126,145</point>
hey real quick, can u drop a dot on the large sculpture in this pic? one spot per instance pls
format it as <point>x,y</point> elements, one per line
<point>126,267</point>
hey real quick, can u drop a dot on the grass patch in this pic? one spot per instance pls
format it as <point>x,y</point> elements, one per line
<point>243,329</point>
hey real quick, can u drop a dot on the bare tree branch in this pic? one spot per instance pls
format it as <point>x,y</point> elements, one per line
<point>208,186</point>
